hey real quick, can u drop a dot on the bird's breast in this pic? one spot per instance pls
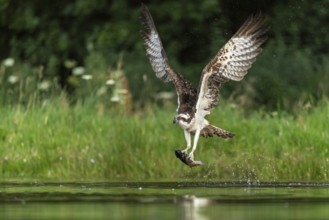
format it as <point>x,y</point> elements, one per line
<point>192,126</point>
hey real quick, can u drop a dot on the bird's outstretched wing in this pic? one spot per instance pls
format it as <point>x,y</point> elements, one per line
<point>232,62</point>
<point>186,92</point>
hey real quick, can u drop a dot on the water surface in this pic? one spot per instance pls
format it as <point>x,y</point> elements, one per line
<point>164,200</point>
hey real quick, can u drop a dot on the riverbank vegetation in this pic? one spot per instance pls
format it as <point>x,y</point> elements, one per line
<point>61,142</point>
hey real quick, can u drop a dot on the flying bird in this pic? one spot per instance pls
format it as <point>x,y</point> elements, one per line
<point>232,62</point>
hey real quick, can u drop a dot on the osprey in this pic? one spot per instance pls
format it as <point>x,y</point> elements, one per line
<point>232,62</point>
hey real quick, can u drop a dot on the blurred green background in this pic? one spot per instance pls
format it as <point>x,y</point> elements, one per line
<point>85,47</point>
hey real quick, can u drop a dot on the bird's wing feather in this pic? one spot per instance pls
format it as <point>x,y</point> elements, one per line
<point>157,56</point>
<point>154,48</point>
<point>232,62</point>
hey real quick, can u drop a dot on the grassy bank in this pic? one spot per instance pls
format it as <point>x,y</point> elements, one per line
<point>65,143</point>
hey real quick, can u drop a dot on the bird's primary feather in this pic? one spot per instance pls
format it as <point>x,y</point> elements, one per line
<point>232,62</point>
<point>154,48</point>
<point>157,56</point>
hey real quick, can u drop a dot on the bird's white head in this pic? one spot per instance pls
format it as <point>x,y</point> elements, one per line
<point>183,119</point>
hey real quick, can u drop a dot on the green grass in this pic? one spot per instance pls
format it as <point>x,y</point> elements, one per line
<point>58,142</point>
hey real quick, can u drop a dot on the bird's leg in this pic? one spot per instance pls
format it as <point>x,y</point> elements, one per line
<point>195,143</point>
<point>188,141</point>
<point>188,159</point>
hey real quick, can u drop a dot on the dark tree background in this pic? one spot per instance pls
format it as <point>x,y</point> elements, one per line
<point>292,67</point>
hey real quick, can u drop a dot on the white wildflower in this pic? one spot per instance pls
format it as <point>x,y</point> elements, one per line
<point>123,91</point>
<point>101,91</point>
<point>8,62</point>
<point>79,70</point>
<point>86,77</point>
<point>70,64</point>
<point>144,77</point>
<point>110,82</point>
<point>12,79</point>
<point>44,85</point>
<point>165,95</point>
<point>115,98</point>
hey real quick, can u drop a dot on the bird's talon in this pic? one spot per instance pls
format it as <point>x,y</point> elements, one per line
<point>187,159</point>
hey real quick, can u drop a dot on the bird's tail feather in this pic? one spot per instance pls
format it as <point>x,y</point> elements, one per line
<point>211,130</point>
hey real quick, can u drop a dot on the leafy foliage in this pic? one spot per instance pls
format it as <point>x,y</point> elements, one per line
<point>58,36</point>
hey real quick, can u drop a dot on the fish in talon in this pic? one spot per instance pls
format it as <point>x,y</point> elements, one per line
<point>183,156</point>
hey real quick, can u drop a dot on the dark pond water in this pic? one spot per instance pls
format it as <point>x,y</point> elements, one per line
<point>164,200</point>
